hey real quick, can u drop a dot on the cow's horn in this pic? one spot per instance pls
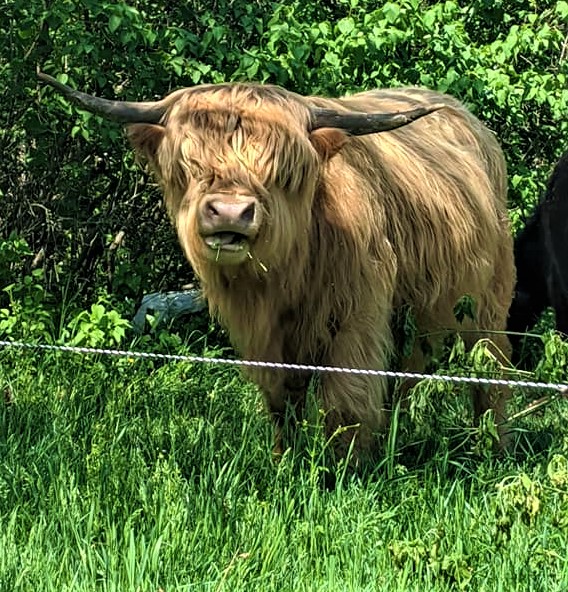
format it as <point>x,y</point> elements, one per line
<point>122,111</point>
<point>359,124</point>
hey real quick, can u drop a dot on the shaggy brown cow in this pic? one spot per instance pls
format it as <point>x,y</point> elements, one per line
<point>308,228</point>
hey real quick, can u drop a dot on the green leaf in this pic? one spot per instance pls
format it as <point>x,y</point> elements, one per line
<point>97,312</point>
<point>114,22</point>
<point>391,12</point>
<point>179,44</point>
<point>562,9</point>
<point>346,25</point>
<point>332,58</point>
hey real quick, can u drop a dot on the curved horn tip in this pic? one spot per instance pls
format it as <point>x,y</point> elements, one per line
<point>120,111</point>
<point>59,86</point>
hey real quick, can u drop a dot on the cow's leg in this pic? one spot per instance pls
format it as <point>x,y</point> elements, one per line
<point>284,390</point>
<point>357,405</point>
<point>492,311</point>
<point>489,323</point>
<point>286,406</point>
<point>493,398</point>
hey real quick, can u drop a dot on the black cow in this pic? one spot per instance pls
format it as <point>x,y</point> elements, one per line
<point>541,257</point>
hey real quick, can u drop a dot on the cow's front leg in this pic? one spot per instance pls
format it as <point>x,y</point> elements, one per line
<point>284,392</point>
<point>357,405</point>
<point>286,406</point>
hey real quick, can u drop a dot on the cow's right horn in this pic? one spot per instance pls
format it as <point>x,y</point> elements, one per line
<point>121,111</point>
<point>359,124</point>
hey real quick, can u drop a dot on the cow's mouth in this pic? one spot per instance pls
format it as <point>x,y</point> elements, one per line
<point>225,241</point>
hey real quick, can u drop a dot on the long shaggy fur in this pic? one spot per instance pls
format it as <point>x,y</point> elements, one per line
<point>353,228</point>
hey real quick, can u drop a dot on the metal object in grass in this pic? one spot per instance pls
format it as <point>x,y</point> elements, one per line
<point>167,306</point>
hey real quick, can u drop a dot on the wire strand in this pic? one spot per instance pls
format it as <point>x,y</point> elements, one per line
<point>560,387</point>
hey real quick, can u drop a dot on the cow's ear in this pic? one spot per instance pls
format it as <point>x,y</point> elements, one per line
<point>145,138</point>
<point>328,141</point>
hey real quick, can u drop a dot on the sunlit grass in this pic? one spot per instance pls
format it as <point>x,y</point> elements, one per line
<point>130,476</point>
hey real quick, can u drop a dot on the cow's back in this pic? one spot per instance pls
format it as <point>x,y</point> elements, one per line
<point>440,187</point>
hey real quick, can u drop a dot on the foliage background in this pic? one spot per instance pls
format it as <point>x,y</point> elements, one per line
<point>68,181</point>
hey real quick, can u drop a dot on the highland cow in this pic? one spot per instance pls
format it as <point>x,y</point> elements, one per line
<point>541,258</point>
<point>310,221</point>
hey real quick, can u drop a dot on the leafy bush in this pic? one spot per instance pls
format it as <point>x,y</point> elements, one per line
<point>98,327</point>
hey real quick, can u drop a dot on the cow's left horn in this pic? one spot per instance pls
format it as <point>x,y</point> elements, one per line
<point>122,111</point>
<point>359,124</point>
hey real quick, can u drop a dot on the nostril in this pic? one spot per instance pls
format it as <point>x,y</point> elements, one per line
<point>248,213</point>
<point>211,210</point>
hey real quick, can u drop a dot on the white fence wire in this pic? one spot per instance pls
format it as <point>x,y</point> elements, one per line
<point>560,388</point>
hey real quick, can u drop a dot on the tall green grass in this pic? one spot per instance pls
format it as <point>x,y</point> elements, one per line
<point>121,475</point>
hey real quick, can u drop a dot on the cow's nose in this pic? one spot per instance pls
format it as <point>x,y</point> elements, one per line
<point>220,211</point>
